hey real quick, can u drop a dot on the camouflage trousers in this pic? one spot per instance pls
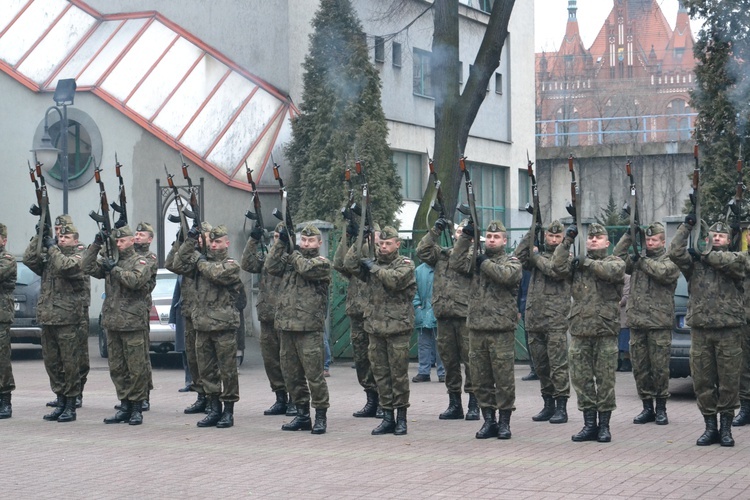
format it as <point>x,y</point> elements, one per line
<point>60,352</point>
<point>270,351</point>
<point>745,367</point>
<point>7,383</point>
<point>649,353</point>
<point>453,348</point>
<point>360,343</point>
<point>302,364</point>
<point>715,361</point>
<point>127,366</point>
<point>389,358</point>
<point>147,356</point>
<point>83,347</point>
<point>217,364</point>
<point>593,362</point>
<point>492,357</point>
<point>549,353</point>
<point>191,354</point>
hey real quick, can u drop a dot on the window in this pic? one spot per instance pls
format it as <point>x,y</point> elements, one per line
<point>379,49</point>
<point>524,189</point>
<point>498,83</point>
<point>489,191</point>
<point>422,84</point>
<point>412,170</point>
<point>460,72</point>
<point>678,123</point>
<point>396,54</point>
<point>486,5</point>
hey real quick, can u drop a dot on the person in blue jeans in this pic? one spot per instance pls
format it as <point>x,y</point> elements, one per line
<point>426,323</point>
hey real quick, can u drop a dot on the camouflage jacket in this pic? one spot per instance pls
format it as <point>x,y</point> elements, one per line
<point>187,288</point>
<point>151,259</point>
<point>126,287</point>
<point>596,290</point>
<point>494,288</point>
<point>390,288</point>
<point>269,286</point>
<point>8,272</point>
<point>746,285</point>
<point>62,283</point>
<point>653,279</point>
<point>450,289</point>
<point>303,301</point>
<point>85,295</point>
<point>217,288</point>
<point>355,292</point>
<point>548,296</point>
<point>716,298</point>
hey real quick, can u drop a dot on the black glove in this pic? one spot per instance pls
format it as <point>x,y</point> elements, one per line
<point>108,265</point>
<point>440,225</point>
<point>49,242</point>
<point>576,263</point>
<point>571,232</point>
<point>284,236</point>
<point>256,233</point>
<point>368,264</point>
<point>202,257</point>
<point>735,226</point>
<point>194,233</point>
<point>691,220</point>
<point>635,257</point>
<point>468,229</point>
<point>694,254</point>
<point>120,223</point>
<point>180,236</point>
<point>352,229</point>
<point>481,258</point>
<point>99,238</point>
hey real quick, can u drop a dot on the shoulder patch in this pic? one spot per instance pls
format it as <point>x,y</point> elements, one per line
<point>321,257</point>
<point>8,256</point>
<point>141,261</point>
<point>153,257</point>
<point>230,260</point>
<point>77,256</point>
<point>408,261</point>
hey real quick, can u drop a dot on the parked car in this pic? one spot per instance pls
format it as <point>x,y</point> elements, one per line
<point>679,361</point>
<point>25,329</point>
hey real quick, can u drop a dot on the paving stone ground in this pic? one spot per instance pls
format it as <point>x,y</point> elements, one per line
<point>169,457</point>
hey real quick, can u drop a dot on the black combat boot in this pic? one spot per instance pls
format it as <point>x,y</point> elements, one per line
<point>604,436</point>
<point>400,429</point>
<point>146,403</point>
<point>227,416</point>
<point>301,421</point>
<point>711,434</point>
<point>214,413</point>
<point>503,424</point>
<point>55,414</point>
<point>661,411</point>
<point>79,400</point>
<point>590,430</point>
<point>547,411</point>
<point>291,408</point>
<point>489,428</point>
<point>279,407</point>
<point>472,412</point>
<point>379,412</point>
<point>6,409</point>
<point>136,414</point>
<point>321,421</point>
<point>647,415</point>
<point>743,417</point>
<point>199,406</point>
<point>55,402</point>
<point>387,426</point>
<point>725,429</point>
<point>561,411</point>
<point>122,415</point>
<point>371,406</point>
<point>455,410</point>
<point>69,411</point>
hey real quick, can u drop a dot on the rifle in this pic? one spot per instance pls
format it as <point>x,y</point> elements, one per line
<point>350,208</point>
<point>122,207</point>
<point>700,241</point>
<point>41,209</point>
<point>473,218</point>
<point>257,216</point>
<point>366,219</point>
<point>284,214</point>
<point>103,220</point>
<point>437,203</point>
<point>631,209</point>
<point>574,207</point>
<point>180,217</point>
<point>195,211</point>
<point>535,210</point>
<point>734,209</point>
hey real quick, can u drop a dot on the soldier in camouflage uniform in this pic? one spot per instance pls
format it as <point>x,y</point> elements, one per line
<point>144,235</point>
<point>300,317</point>
<point>356,301</point>
<point>269,288</point>
<point>547,301</point>
<point>716,316</point>
<point>59,311</point>
<point>125,318</point>
<point>492,320</point>
<point>7,285</point>
<point>743,416</point>
<point>389,322</point>
<point>594,326</point>
<point>216,319</point>
<point>650,312</point>
<point>187,301</point>
<point>450,303</point>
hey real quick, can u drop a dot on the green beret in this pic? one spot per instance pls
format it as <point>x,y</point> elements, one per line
<point>375,226</point>
<point>388,233</point>
<point>556,227</point>
<point>145,227</point>
<point>654,228</point>
<point>206,227</point>
<point>719,227</point>
<point>279,227</point>
<point>218,232</point>
<point>310,230</point>
<point>63,219</point>
<point>122,232</point>
<point>496,226</point>
<point>68,229</point>
<point>596,229</point>
<point>3,230</point>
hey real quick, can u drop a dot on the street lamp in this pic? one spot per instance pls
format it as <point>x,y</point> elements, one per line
<point>46,153</point>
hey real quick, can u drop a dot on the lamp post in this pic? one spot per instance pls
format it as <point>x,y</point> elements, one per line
<point>46,153</point>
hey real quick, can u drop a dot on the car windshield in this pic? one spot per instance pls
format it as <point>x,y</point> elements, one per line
<point>24,275</point>
<point>164,285</point>
<point>682,288</point>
